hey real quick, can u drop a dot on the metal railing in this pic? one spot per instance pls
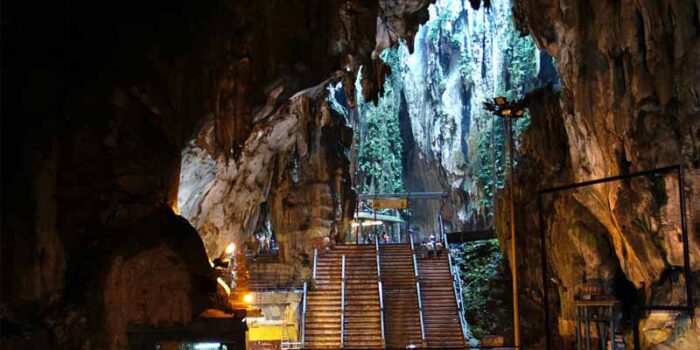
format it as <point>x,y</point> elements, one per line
<point>315,261</point>
<point>381,292</point>
<point>457,290</point>
<point>303,316</point>
<point>342,303</point>
<point>420,302</point>
<point>456,282</point>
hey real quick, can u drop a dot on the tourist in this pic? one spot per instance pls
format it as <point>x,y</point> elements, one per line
<point>431,248</point>
<point>262,243</point>
<point>438,248</point>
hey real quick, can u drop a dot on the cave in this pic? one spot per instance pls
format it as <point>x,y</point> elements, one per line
<point>231,174</point>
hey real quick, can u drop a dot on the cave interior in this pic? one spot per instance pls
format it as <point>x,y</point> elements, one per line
<point>231,174</point>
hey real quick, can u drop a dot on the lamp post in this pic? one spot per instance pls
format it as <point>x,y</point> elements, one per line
<point>509,111</point>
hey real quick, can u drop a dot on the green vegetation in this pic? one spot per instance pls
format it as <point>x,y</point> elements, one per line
<point>380,147</point>
<point>491,58</point>
<point>520,57</point>
<point>484,286</point>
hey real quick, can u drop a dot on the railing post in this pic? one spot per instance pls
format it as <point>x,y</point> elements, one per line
<point>420,313</point>
<point>381,295</point>
<point>315,261</point>
<point>381,311</point>
<point>420,302</point>
<point>303,316</point>
<point>415,267</point>
<point>342,303</point>
<point>457,290</point>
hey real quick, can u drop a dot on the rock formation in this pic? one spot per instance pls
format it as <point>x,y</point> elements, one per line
<point>99,101</point>
<point>628,103</point>
<point>463,57</point>
<point>294,164</point>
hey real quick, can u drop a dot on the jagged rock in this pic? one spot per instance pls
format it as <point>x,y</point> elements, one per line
<point>463,58</point>
<point>294,163</point>
<point>100,102</point>
<point>627,105</point>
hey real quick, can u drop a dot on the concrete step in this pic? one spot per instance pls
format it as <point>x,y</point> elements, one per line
<point>322,332</point>
<point>327,314</point>
<point>321,343</point>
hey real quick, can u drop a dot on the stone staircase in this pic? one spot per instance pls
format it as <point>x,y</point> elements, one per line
<point>402,325</point>
<point>323,305</point>
<point>362,310</point>
<point>442,322</point>
<point>362,323</point>
<point>361,328</point>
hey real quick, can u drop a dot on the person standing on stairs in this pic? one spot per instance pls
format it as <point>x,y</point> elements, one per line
<point>431,248</point>
<point>438,249</point>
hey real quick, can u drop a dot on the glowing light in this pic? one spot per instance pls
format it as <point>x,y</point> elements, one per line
<point>224,285</point>
<point>207,346</point>
<point>500,100</point>
<point>230,248</point>
<point>368,223</point>
<point>248,298</point>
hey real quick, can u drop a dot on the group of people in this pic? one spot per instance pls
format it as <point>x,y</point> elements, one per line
<point>383,236</point>
<point>262,243</point>
<point>433,247</point>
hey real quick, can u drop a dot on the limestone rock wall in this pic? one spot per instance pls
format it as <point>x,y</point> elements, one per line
<point>294,163</point>
<point>628,103</point>
<point>462,57</point>
<point>100,99</point>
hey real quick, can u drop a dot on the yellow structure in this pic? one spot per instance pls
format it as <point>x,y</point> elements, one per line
<point>277,321</point>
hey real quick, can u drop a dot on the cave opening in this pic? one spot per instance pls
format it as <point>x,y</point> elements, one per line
<point>428,132</point>
<point>323,174</point>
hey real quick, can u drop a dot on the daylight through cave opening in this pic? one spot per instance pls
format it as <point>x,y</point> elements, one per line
<point>429,132</point>
<point>231,170</point>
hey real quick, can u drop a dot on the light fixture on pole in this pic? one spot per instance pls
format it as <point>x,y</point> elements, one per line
<point>509,111</point>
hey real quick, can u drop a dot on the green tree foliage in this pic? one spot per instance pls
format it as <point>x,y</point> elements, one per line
<point>484,287</point>
<point>380,162</point>
<point>519,71</point>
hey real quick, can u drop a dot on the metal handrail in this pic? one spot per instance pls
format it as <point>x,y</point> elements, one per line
<point>381,293</point>
<point>381,311</point>
<point>420,302</point>
<point>315,261</point>
<point>420,312</point>
<point>342,303</point>
<point>415,267</point>
<point>456,280</point>
<point>457,290</point>
<point>303,316</point>
<point>410,236</point>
